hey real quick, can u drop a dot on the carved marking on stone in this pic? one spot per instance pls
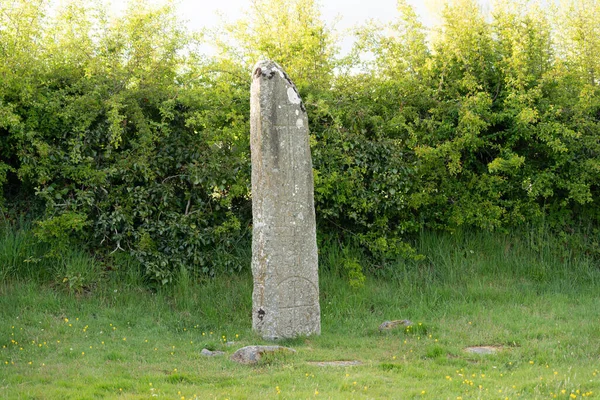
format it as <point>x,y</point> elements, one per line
<point>297,295</point>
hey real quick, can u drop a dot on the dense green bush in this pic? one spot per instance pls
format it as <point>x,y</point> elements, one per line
<point>129,144</point>
<point>131,139</point>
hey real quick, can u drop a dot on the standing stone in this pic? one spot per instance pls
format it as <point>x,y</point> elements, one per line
<point>285,300</point>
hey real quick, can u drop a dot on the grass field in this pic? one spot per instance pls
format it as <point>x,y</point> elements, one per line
<point>535,299</point>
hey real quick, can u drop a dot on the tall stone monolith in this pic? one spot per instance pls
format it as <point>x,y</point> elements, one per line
<point>285,300</point>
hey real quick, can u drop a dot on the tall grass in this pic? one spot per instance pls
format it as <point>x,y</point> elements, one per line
<point>465,267</point>
<point>533,254</point>
<point>449,259</point>
<point>23,257</point>
<point>19,252</point>
<point>531,293</point>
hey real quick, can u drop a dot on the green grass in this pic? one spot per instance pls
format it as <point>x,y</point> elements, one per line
<point>533,296</point>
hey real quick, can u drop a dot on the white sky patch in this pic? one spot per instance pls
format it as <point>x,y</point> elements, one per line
<point>342,15</point>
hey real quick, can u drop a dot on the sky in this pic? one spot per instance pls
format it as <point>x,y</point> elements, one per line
<point>350,12</point>
<point>341,14</point>
<point>347,13</point>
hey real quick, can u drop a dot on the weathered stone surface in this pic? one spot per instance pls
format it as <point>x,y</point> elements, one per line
<point>387,325</point>
<point>285,300</point>
<point>209,353</point>
<point>252,354</point>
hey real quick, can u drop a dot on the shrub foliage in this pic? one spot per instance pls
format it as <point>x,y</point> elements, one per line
<point>131,138</point>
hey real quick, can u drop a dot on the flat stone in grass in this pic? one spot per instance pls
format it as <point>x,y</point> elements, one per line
<point>209,353</point>
<point>484,350</point>
<point>252,354</point>
<point>389,325</point>
<point>335,363</point>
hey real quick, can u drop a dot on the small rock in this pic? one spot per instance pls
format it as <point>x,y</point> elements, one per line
<point>208,353</point>
<point>387,325</point>
<point>482,349</point>
<point>252,354</point>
